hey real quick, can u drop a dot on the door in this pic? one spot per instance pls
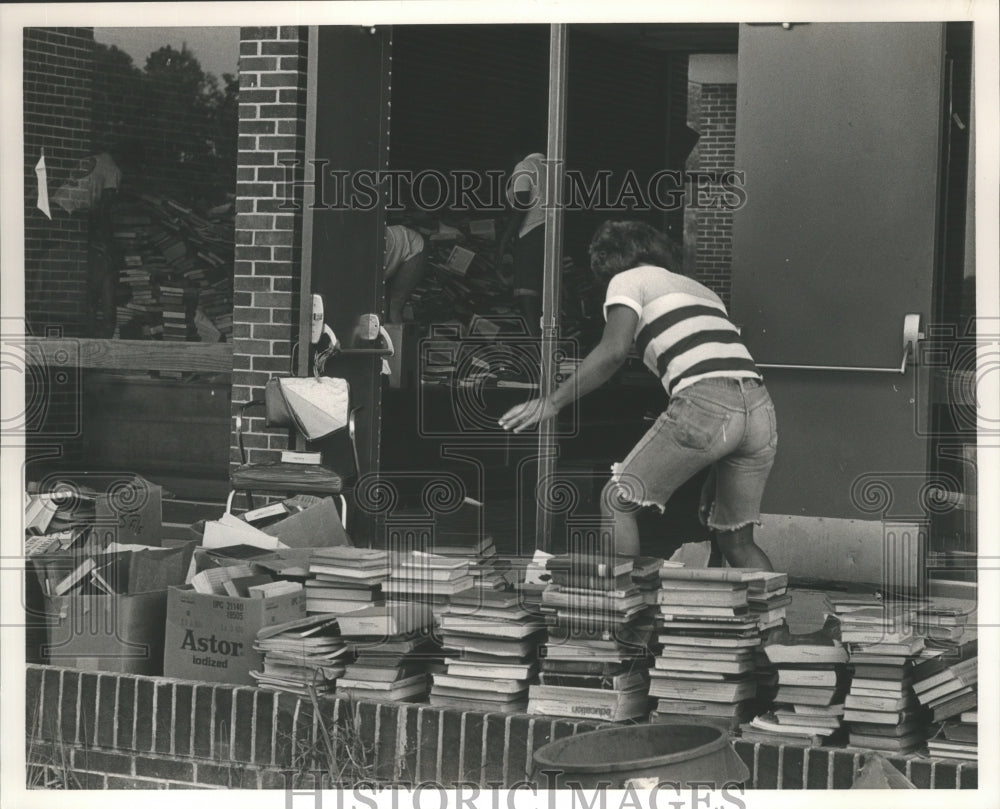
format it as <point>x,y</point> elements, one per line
<point>351,107</point>
<point>838,131</point>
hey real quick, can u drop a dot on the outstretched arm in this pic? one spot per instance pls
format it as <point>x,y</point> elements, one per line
<point>596,369</point>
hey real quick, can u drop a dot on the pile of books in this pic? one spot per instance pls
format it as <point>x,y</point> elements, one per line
<point>430,578</point>
<point>175,316</point>
<point>491,652</point>
<point>881,709</point>
<point>389,644</point>
<point>812,680</point>
<point>173,257</point>
<point>302,657</point>
<point>346,579</point>
<point>945,681</point>
<point>595,660</point>
<point>707,636</point>
<point>957,738</point>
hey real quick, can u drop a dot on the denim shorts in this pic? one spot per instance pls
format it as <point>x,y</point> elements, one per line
<point>723,422</point>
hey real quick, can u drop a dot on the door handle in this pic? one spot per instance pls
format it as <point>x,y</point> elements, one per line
<point>911,335</point>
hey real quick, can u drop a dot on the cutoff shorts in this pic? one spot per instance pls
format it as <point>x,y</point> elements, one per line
<point>723,422</point>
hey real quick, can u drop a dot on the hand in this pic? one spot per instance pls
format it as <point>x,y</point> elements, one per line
<point>522,416</point>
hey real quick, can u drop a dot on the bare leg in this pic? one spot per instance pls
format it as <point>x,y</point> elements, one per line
<point>404,281</point>
<point>740,550</point>
<point>620,518</point>
<point>531,310</point>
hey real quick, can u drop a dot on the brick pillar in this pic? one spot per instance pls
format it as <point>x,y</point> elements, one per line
<point>58,82</point>
<point>716,153</point>
<point>268,234</point>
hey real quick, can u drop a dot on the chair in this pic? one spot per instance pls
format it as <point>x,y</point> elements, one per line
<point>282,477</point>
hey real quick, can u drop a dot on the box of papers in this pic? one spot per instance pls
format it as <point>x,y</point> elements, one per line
<point>210,637</point>
<point>106,612</point>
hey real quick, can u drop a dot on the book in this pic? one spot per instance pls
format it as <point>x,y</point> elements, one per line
<point>211,581</point>
<point>386,621</point>
<point>696,664</point>
<point>592,703</point>
<point>820,677</point>
<point>703,690</point>
<point>821,646</point>
<point>865,703</point>
<point>624,681</point>
<point>240,585</point>
<point>273,588</point>
<point>717,574</point>
<point>807,695</point>
<point>954,706</point>
<point>512,670</point>
<point>591,565</point>
<point>893,744</point>
<point>490,685</point>
<point>768,722</point>
<point>309,458</point>
<point>404,689</point>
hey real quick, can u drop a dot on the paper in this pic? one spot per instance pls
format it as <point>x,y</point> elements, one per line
<point>43,186</point>
<point>230,530</point>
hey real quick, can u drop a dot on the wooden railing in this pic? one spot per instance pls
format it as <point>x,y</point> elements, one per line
<point>128,355</point>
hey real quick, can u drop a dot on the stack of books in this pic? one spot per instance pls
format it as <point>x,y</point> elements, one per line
<point>881,709</point>
<point>389,644</point>
<point>428,578</point>
<point>768,598</point>
<point>957,738</point>
<point>168,245</point>
<point>812,680</point>
<point>596,656</point>
<point>460,534</point>
<point>646,577</point>
<point>345,579</point>
<point>301,657</point>
<point>175,323</point>
<point>707,636</point>
<point>491,652</point>
<point>945,681</point>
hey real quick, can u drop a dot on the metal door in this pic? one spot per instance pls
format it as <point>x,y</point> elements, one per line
<point>839,133</point>
<point>350,107</point>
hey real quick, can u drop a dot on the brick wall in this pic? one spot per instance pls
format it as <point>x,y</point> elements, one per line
<point>716,152</point>
<point>58,81</point>
<point>267,270</point>
<point>127,731</point>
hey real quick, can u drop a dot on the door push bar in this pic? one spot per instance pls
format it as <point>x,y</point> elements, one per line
<point>911,334</point>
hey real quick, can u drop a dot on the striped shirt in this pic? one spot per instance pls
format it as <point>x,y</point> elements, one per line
<point>684,333</point>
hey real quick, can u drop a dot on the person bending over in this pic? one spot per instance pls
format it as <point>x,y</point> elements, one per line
<point>719,413</point>
<point>403,267</point>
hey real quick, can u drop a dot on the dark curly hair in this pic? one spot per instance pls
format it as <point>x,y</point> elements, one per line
<point>620,246</point>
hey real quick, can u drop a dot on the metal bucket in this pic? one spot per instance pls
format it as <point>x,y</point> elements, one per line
<point>641,756</point>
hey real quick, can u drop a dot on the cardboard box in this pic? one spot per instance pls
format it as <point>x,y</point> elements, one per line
<point>210,637</point>
<point>319,526</point>
<point>129,508</point>
<point>121,633</point>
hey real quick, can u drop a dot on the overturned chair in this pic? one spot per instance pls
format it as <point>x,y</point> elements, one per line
<point>318,409</point>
